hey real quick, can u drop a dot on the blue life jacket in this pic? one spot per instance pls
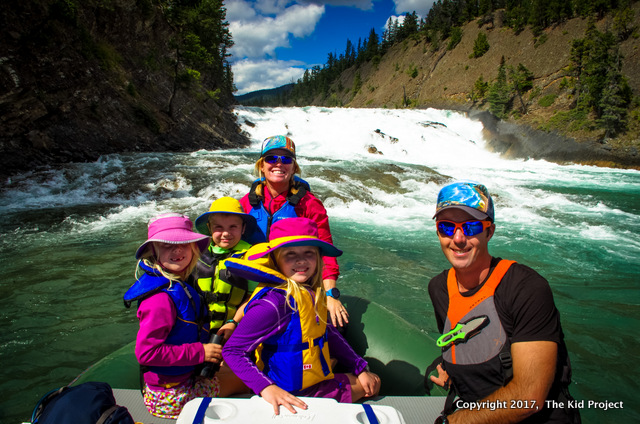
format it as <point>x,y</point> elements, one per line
<point>192,322</point>
<point>264,219</point>
<point>298,357</point>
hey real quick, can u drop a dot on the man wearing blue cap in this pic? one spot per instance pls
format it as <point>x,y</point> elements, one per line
<point>503,351</point>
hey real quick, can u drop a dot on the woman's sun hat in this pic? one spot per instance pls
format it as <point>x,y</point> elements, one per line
<point>172,228</point>
<point>227,205</point>
<point>278,142</point>
<point>295,232</point>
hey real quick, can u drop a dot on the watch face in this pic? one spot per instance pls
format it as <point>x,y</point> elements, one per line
<point>334,292</point>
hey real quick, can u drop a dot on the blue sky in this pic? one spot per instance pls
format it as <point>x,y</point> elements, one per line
<point>276,40</point>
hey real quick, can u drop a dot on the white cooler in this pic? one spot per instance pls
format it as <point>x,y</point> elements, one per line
<point>256,410</point>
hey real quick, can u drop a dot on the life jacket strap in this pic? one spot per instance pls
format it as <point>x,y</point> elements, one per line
<point>428,384</point>
<point>297,191</point>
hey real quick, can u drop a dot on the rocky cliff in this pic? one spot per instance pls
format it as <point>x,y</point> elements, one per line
<point>83,79</point>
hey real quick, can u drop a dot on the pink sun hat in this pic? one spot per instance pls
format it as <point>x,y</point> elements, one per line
<point>172,228</point>
<point>295,232</point>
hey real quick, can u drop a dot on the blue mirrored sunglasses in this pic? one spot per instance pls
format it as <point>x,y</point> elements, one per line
<point>272,159</point>
<point>469,228</point>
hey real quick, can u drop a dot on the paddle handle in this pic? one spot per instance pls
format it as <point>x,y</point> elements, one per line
<point>210,368</point>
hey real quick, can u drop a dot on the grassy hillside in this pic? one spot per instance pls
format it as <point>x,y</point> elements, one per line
<point>417,73</point>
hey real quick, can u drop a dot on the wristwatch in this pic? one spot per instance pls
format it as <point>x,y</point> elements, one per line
<point>334,292</point>
<point>442,419</point>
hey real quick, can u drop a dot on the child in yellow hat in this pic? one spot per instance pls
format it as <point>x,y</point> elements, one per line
<point>227,224</point>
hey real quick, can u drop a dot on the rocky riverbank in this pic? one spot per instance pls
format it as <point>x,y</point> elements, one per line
<point>84,81</point>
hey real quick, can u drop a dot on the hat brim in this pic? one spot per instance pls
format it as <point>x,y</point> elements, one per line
<point>283,152</point>
<point>202,242</point>
<point>326,249</point>
<point>254,271</point>
<point>250,223</point>
<point>471,211</point>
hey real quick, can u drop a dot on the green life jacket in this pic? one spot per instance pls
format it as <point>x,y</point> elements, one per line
<point>222,291</point>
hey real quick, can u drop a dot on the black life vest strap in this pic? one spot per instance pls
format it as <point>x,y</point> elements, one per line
<point>296,192</point>
<point>238,282</point>
<point>428,384</point>
<point>507,364</point>
<point>254,199</point>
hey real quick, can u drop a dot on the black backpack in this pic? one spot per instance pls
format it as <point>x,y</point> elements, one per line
<point>87,403</point>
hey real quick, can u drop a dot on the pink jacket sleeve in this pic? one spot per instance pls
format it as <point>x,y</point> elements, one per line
<point>157,315</point>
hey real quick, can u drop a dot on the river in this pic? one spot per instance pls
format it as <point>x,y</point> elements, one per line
<point>69,235</point>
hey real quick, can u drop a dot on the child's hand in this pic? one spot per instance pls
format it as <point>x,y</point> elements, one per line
<point>277,396</point>
<point>370,382</point>
<point>212,352</point>
<point>227,330</point>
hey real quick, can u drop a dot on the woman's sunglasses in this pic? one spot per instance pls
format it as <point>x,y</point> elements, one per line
<point>273,159</point>
<point>469,228</point>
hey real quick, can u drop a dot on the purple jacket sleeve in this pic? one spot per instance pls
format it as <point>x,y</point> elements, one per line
<point>265,317</point>
<point>343,352</point>
<point>157,315</point>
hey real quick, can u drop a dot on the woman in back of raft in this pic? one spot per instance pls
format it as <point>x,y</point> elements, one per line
<point>279,193</point>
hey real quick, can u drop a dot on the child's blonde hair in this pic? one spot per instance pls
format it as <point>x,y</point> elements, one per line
<point>315,283</point>
<point>150,259</point>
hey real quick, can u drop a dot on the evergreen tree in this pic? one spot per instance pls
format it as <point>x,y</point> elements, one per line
<point>371,50</point>
<point>454,38</point>
<point>479,91</point>
<point>623,23</point>
<point>521,82</point>
<point>600,86</point>
<point>409,25</point>
<point>498,96</point>
<point>357,83</point>
<point>614,103</point>
<point>202,45</point>
<point>480,46</point>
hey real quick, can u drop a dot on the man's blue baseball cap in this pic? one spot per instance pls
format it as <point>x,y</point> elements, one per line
<point>470,196</point>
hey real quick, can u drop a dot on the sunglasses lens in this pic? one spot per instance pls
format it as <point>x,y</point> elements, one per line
<point>285,160</point>
<point>446,228</point>
<point>469,228</point>
<point>472,228</point>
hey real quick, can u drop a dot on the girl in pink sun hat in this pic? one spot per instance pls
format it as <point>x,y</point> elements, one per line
<point>285,322</point>
<point>174,326</point>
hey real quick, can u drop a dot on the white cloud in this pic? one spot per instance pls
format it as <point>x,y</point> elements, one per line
<point>251,75</point>
<point>258,36</point>
<point>421,7</point>
<point>259,28</point>
<point>360,4</point>
<point>238,10</point>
